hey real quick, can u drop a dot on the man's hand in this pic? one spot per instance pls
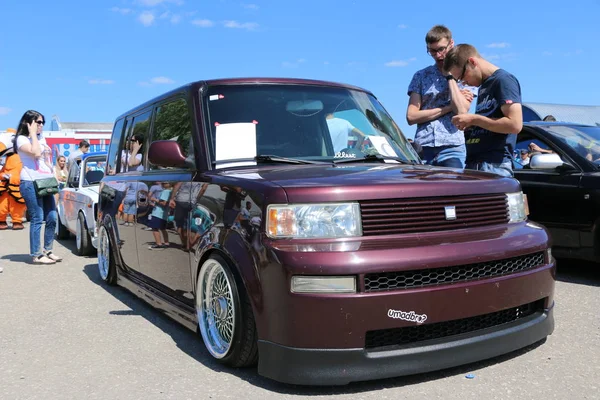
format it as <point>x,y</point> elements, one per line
<point>463,121</point>
<point>468,94</point>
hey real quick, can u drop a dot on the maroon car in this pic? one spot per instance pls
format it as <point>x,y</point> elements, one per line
<point>292,225</point>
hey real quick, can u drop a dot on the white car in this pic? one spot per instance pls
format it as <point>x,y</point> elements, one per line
<point>78,202</point>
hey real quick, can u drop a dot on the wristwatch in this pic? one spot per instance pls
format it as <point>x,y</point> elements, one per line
<point>449,77</point>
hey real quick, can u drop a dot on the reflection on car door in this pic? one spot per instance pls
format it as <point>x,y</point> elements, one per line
<point>163,239</point>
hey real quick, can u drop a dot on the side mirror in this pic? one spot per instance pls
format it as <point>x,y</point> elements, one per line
<point>548,161</point>
<point>167,153</point>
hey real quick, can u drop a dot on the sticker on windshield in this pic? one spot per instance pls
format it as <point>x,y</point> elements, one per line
<point>343,154</point>
<point>407,316</point>
<point>215,97</point>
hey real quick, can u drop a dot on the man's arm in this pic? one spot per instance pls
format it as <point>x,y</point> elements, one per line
<point>511,122</point>
<point>414,114</point>
<point>460,100</point>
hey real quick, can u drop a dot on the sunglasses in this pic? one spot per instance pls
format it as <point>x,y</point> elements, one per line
<point>40,122</point>
<point>462,75</point>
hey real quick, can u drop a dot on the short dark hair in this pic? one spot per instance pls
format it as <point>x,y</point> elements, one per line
<point>549,118</point>
<point>459,55</point>
<point>438,33</point>
<point>84,143</point>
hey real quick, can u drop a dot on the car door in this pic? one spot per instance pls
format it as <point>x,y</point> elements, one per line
<point>70,201</point>
<point>134,193</point>
<point>163,235</point>
<point>554,195</point>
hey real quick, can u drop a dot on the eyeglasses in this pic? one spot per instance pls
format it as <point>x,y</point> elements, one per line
<point>433,52</point>
<point>40,122</point>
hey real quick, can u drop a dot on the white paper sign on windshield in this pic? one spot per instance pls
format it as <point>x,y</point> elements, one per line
<point>235,141</point>
<point>383,146</point>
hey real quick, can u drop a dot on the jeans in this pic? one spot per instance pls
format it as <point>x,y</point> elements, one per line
<point>445,156</point>
<point>40,209</point>
<point>503,169</point>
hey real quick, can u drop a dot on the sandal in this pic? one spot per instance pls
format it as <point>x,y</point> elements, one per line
<point>3,226</point>
<point>43,260</point>
<point>53,256</point>
<point>17,226</point>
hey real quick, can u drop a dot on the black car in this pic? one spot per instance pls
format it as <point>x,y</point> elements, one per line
<point>561,179</point>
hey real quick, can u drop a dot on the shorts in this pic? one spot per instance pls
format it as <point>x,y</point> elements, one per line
<point>130,206</point>
<point>181,214</point>
<point>157,224</point>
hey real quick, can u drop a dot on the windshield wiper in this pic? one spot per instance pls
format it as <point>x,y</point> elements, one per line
<point>263,158</point>
<point>374,157</point>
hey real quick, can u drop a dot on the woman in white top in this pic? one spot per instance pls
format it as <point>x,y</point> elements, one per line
<point>60,172</point>
<point>36,157</point>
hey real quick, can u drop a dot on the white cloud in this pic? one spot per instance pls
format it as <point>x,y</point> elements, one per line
<point>123,11</point>
<point>162,80</point>
<point>146,18</point>
<point>250,6</point>
<point>144,84</point>
<point>547,53</point>
<point>288,64</point>
<point>175,19</point>
<point>402,26</point>
<point>5,110</point>
<point>203,23</point>
<point>237,25</point>
<point>501,45</point>
<point>400,63</point>
<point>164,15</point>
<point>101,81</point>
<point>496,57</point>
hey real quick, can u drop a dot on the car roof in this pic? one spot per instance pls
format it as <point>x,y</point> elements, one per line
<point>94,154</point>
<point>547,124</point>
<point>241,81</point>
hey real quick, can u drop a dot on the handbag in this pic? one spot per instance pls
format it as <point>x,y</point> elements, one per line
<point>45,186</point>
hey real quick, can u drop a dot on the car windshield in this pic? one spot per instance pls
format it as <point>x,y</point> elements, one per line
<point>301,122</point>
<point>585,140</point>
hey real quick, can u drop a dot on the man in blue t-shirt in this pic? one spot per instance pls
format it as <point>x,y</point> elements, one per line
<point>435,97</point>
<point>492,130</point>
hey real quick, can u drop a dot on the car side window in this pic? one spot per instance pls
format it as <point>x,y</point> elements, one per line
<point>529,145</point>
<point>172,121</point>
<point>115,146</point>
<point>74,172</point>
<point>136,142</point>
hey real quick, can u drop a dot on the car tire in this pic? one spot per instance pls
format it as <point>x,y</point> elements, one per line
<point>83,240</point>
<point>225,317</point>
<point>62,232</point>
<point>106,259</point>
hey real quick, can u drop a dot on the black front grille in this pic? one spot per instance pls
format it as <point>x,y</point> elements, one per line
<point>419,333</point>
<point>416,215</point>
<point>461,273</point>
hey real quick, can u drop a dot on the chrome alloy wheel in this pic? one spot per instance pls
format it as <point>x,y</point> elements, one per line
<point>78,234</point>
<point>215,308</point>
<point>103,253</point>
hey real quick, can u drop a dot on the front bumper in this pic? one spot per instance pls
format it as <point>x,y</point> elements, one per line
<point>305,366</point>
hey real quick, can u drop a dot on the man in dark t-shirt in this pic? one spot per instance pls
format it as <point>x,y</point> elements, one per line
<point>499,117</point>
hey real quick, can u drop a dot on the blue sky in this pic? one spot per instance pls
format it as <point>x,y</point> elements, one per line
<point>89,61</point>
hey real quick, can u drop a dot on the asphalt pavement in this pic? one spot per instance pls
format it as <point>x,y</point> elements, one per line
<point>66,335</point>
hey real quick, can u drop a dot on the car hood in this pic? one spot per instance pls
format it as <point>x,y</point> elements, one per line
<point>92,191</point>
<point>375,181</point>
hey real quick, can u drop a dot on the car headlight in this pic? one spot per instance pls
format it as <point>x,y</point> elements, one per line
<point>516,207</point>
<point>331,220</point>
